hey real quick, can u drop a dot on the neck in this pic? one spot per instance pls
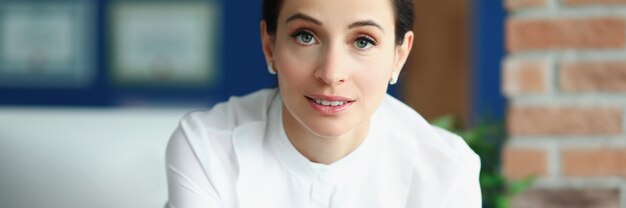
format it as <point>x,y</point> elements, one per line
<point>318,149</point>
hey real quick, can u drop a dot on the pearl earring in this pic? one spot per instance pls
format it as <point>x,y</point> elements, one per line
<point>270,69</point>
<point>394,78</point>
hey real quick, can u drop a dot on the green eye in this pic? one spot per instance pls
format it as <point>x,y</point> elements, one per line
<point>364,43</point>
<point>361,43</point>
<point>304,38</point>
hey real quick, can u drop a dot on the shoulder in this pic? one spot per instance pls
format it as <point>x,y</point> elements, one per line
<point>232,113</point>
<point>442,165</point>
<point>430,146</point>
<point>457,149</point>
<point>202,147</point>
<point>211,130</point>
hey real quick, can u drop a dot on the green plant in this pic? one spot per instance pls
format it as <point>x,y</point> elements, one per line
<point>486,139</point>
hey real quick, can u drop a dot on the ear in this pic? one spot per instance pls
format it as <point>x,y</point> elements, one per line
<point>402,51</point>
<point>268,43</point>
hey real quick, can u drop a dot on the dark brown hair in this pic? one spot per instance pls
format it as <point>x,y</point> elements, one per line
<point>403,10</point>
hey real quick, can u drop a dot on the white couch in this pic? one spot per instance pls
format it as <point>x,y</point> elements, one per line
<point>71,158</point>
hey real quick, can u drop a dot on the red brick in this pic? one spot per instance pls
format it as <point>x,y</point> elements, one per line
<point>542,34</point>
<point>596,162</point>
<point>521,162</point>
<point>592,2</point>
<point>528,76</point>
<point>520,4</point>
<point>570,198</point>
<point>593,76</point>
<point>562,120</point>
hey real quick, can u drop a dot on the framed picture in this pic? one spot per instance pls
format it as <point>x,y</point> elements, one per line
<point>164,43</point>
<point>46,45</point>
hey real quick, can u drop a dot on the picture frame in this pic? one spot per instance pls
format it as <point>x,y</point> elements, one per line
<point>164,44</point>
<point>46,44</point>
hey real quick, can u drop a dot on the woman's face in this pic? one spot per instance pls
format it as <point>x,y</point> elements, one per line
<point>334,60</point>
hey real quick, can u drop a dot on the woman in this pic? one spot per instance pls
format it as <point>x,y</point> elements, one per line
<point>329,136</point>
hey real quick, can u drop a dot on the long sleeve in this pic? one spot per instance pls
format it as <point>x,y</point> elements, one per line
<point>188,185</point>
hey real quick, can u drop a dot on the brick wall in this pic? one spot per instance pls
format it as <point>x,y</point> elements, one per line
<point>565,80</point>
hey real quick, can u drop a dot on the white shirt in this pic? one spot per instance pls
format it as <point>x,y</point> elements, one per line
<point>238,155</point>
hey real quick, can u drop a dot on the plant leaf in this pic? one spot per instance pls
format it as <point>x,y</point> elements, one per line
<point>445,122</point>
<point>502,201</point>
<point>517,187</point>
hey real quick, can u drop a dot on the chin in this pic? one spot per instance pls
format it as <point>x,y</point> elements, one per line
<point>328,129</point>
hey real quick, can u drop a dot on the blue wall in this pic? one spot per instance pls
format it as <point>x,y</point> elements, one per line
<point>487,51</point>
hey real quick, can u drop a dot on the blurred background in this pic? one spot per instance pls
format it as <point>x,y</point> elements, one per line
<point>90,91</point>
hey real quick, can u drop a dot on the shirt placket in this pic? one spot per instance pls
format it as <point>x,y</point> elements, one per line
<point>321,190</point>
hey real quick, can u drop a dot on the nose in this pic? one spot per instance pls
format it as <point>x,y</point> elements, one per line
<point>332,67</point>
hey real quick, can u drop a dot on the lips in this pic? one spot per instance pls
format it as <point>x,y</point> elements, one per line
<point>329,102</point>
<point>329,105</point>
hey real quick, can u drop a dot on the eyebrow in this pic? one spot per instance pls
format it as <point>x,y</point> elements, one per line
<point>317,22</point>
<point>305,18</point>
<point>364,24</point>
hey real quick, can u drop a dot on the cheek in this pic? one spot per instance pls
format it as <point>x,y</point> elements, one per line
<point>373,79</point>
<point>293,73</point>
<point>294,64</point>
<point>373,87</point>
<point>374,73</point>
<point>291,69</point>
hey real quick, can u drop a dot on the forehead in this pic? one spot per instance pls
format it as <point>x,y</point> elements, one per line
<point>340,11</point>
